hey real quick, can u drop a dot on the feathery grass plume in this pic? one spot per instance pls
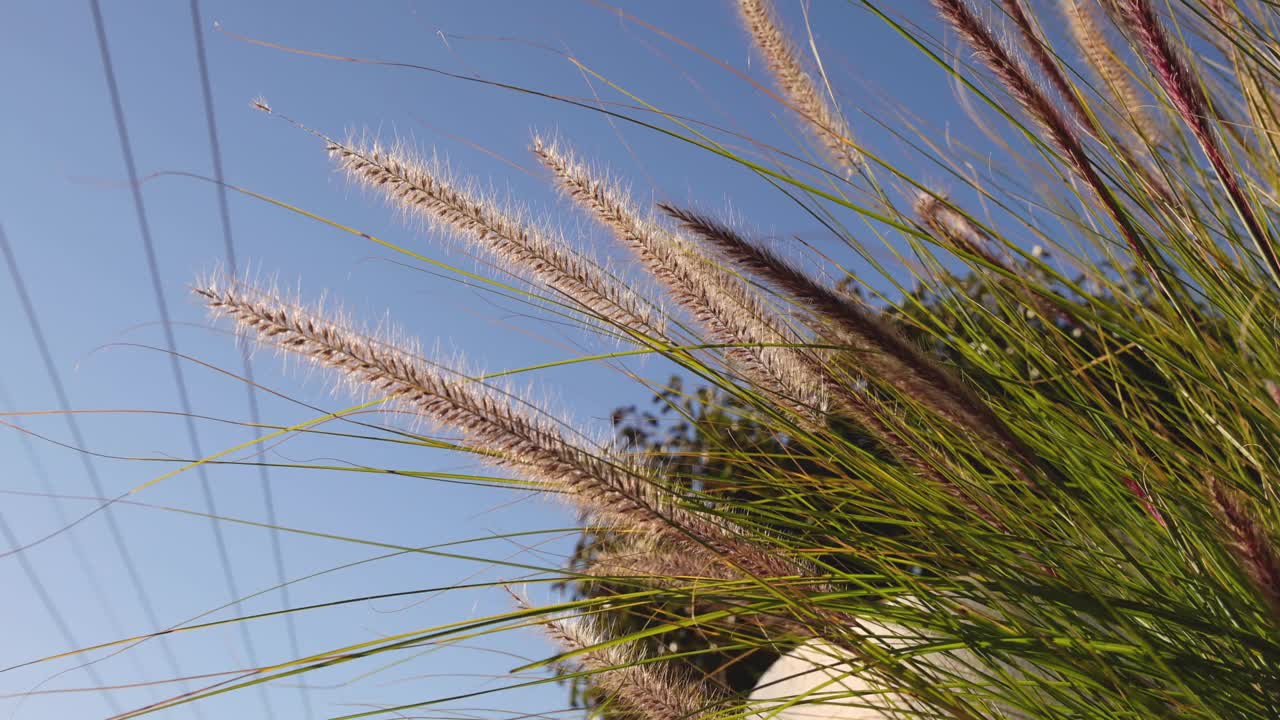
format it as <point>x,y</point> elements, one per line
<point>1090,37</point>
<point>1249,543</point>
<point>649,689</point>
<point>727,308</point>
<point>1256,86</point>
<point>1185,92</point>
<point>804,95</point>
<point>422,190</point>
<point>723,304</point>
<point>661,562</point>
<point>887,355</point>
<point>602,483</point>
<point>708,582</point>
<point>1014,76</point>
<point>935,213</point>
<point>1036,46</point>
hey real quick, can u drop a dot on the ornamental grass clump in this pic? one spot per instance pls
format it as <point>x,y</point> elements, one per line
<point>1028,483</point>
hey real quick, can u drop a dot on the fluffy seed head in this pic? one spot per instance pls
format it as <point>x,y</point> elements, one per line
<point>799,88</point>
<point>1249,542</point>
<point>936,214</point>
<point>649,689</point>
<point>659,563</point>
<point>729,311</point>
<point>1013,74</point>
<point>1039,52</point>
<point>1187,95</point>
<point>422,190</point>
<point>885,353</point>
<point>1091,37</point>
<point>1038,49</point>
<point>602,483</point>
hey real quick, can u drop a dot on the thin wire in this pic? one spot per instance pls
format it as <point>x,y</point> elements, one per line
<point>59,620</point>
<point>87,569</point>
<point>68,637</point>
<point>224,212</point>
<point>171,344</point>
<point>90,469</point>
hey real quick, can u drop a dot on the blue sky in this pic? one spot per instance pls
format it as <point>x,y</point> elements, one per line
<point>67,212</point>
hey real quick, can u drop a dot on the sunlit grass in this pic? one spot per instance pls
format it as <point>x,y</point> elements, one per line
<point>1028,471</point>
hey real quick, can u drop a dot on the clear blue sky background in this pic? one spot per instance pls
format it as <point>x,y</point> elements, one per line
<point>68,213</point>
